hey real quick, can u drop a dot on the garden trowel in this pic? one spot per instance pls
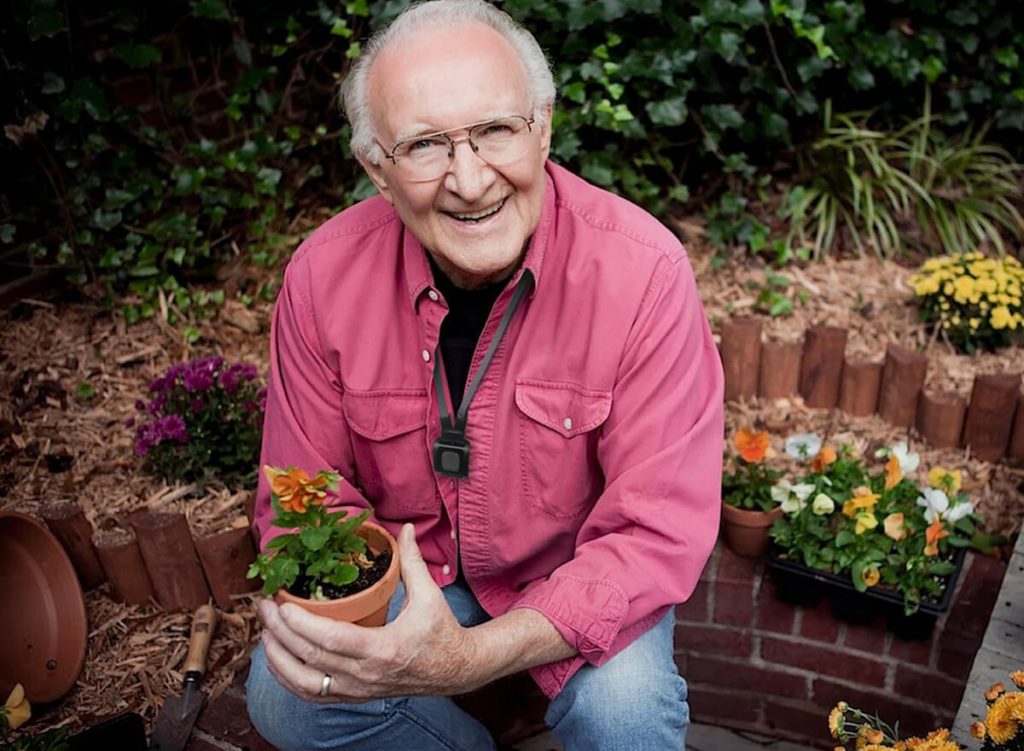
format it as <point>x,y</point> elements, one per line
<point>178,714</point>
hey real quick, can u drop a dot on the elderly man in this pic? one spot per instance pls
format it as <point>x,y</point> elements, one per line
<point>513,370</point>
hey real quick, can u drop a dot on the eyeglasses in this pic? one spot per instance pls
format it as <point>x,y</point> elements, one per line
<point>498,142</point>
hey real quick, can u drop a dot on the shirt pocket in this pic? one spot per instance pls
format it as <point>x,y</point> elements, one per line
<point>558,432</point>
<point>389,437</point>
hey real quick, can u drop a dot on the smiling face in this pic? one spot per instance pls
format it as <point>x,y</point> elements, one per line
<point>476,219</point>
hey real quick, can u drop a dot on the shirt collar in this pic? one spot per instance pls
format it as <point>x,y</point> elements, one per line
<point>417,269</point>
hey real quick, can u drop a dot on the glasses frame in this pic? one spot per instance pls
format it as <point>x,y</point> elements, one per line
<point>452,142</point>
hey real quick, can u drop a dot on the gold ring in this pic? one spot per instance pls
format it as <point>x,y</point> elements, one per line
<point>325,684</point>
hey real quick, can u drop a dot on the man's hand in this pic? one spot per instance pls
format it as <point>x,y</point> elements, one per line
<point>424,651</point>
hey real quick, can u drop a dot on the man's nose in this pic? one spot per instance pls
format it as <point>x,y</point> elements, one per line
<point>468,176</point>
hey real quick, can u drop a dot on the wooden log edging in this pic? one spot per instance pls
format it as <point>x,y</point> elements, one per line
<point>991,425</point>
<point>68,523</point>
<point>170,555</point>
<point>226,557</point>
<point>126,571</point>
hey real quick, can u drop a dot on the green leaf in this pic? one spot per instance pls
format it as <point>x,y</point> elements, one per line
<point>726,43</point>
<point>45,20</point>
<point>215,10</point>
<point>932,68</point>
<point>138,55</point>
<point>106,220</point>
<point>346,573</point>
<point>7,232</point>
<point>725,116</point>
<point>85,390</point>
<point>52,83</point>
<point>844,538</point>
<point>670,111</point>
<point>243,51</point>
<point>1007,57</point>
<point>861,78</point>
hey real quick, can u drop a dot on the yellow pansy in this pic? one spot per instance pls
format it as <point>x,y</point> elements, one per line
<point>17,709</point>
<point>866,521</point>
<point>944,479</point>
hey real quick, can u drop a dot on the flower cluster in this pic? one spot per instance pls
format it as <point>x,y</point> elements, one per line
<point>1001,730</point>
<point>1003,727</point>
<point>879,528</point>
<point>323,551</point>
<point>976,301</point>
<point>748,481</point>
<point>204,418</point>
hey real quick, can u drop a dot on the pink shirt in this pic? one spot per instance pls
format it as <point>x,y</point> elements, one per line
<point>595,474</point>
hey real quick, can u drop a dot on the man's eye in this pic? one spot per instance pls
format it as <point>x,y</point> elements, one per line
<point>425,144</point>
<point>495,129</point>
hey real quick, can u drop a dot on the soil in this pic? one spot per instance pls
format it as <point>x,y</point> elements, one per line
<point>366,579</point>
<point>71,372</point>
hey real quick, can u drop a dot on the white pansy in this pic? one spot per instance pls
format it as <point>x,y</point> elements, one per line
<point>935,503</point>
<point>803,490</point>
<point>781,491</point>
<point>803,445</point>
<point>959,511</point>
<point>908,459</point>
<point>822,505</point>
<point>794,504</point>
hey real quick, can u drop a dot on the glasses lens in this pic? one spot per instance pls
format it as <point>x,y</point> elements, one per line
<point>423,158</point>
<point>501,141</point>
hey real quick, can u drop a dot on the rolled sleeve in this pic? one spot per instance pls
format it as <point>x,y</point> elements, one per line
<point>642,546</point>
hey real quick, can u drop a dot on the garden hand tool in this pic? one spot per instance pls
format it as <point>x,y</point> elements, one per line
<point>178,714</point>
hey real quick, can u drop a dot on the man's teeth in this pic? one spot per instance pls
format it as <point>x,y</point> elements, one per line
<point>480,214</point>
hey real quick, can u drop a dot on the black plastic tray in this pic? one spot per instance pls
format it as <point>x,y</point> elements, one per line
<point>800,585</point>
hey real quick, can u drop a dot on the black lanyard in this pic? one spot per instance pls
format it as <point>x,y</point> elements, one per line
<point>451,449</point>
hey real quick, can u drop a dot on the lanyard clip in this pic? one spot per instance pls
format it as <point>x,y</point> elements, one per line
<point>451,454</point>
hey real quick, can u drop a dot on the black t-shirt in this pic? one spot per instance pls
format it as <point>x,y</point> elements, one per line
<point>468,310</point>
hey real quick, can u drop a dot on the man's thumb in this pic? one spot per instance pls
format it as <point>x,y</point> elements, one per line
<point>414,569</point>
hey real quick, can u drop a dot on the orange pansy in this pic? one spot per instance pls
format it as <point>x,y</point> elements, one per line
<point>894,526</point>
<point>893,474</point>
<point>750,445</point>
<point>863,498</point>
<point>825,457</point>
<point>933,534</point>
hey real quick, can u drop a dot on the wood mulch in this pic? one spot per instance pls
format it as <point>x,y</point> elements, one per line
<point>56,444</point>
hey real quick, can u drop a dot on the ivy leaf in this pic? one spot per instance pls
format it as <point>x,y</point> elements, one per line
<point>726,43</point>
<point>7,233</point>
<point>670,111</point>
<point>45,20</point>
<point>932,68</point>
<point>52,83</point>
<point>725,116</point>
<point>861,78</point>
<point>242,51</point>
<point>215,10</point>
<point>138,55</point>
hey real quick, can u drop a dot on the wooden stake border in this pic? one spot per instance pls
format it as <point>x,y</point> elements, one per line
<point>991,421</point>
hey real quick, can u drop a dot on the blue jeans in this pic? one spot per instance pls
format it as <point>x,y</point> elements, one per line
<point>635,701</point>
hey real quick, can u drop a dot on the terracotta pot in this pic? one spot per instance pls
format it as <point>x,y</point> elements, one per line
<point>43,616</point>
<point>746,532</point>
<point>366,608</point>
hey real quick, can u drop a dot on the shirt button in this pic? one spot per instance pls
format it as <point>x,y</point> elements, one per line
<point>567,423</point>
<point>433,295</point>
<point>453,534</point>
<point>426,356</point>
<point>446,569</point>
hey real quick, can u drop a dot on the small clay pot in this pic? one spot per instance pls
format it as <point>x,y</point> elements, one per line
<point>43,618</point>
<point>746,531</point>
<point>366,608</point>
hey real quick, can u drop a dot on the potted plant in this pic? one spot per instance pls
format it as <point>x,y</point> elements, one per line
<point>329,562</point>
<point>875,541</point>
<point>748,507</point>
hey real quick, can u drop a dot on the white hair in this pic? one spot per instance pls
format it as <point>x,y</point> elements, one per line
<point>443,14</point>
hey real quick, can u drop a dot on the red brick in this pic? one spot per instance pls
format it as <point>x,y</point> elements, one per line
<point>819,659</point>
<point>727,641</point>
<point>956,654</point>
<point>796,720</point>
<point>226,719</point>
<point>734,603</point>
<point>820,623</point>
<point>199,744</point>
<point>736,568</point>
<point>772,613</point>
<point>741,675</point>
<point>867,637</point>
<point>707,705</point>
<point>707,574</point>
<point>257,743</point>
<point>696,608</point>
<point>977,594</point>
<point>913,721</point>
<point>929,686</point>
<point>914,651</point>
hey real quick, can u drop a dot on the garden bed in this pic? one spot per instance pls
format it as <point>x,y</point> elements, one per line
<point>70,375</point>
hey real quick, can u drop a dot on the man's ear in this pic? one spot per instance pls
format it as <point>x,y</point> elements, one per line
<point>548,111</point>
<point>376,174</point>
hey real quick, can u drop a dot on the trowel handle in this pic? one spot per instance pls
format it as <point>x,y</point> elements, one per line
<point>203,621</point>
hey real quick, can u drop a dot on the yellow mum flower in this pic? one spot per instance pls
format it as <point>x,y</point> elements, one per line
<point>974,322</point>
<point>995,691</point>
<point>1001,317</point>
<point>1018,678</point>
<point>836,718</point>
<point>978,730</point>
<point>944,479</point>
<point>1000,722</point>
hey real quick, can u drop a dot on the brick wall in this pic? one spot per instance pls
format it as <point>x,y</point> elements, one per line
<point>755,662</point>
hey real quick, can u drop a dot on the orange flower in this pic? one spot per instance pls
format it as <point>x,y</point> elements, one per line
<point>822,459</point>
<point>994,691</point>
<point>933,534</point>
<point>978,730</point>
<point>894,526</point>
<point>294,489</point>
<point>893,474</point>
<point>750,445</point>
<point>1017,676</point>
<point>863,498</point>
